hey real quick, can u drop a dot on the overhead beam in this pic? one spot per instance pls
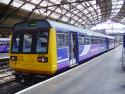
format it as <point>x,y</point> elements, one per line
<point>64,3</point>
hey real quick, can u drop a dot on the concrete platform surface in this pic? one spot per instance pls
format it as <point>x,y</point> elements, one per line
<point>102,75</point>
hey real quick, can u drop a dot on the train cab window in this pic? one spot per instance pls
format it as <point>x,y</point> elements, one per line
<point>27,42</point>
<point>42,42</point>
<point>15,43</point>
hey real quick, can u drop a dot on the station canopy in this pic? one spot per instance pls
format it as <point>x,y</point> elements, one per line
<point>81,13</point>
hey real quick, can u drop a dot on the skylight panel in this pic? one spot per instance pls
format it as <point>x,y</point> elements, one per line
<point>75,17</point>
<point>87,4</point>
<point>35,1</point>
<point>28,7</point>
<point>85,11</point>
<point>17,3</point>
<point>5,1</point>
<point>72,21</point>
<point>116,6</point>
<point>75,11</point>
<point>58,10</point>
<point>55,15</point>
<point>44,3</point>
<point>80,7</point>
<point>93,2</point>
<point>64,18</point>
<point>90,9</point>
<point>56,1</point>
<point>123,20</point>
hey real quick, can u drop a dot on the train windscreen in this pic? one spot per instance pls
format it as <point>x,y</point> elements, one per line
<point>30,42</point>
<point>15,43</point>
<point>42,42</point>
<point>27,42</point>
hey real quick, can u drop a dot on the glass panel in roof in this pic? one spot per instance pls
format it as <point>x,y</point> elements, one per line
<point>75,17</point>
<point>75,11</point>
<point>89,9</point>
<point>64,18</point>
<point>35,1</point>
<point>16,4</point>
<point>87,4</point>
<point>116,6</point>
<point>57,10</point>
<point>55,15</point>
<point>46,13</point>
<point>93,2</point>
<point>80,7</point>
<point>5,1</point>
<point>85,11</point>
<point>28,7</point>
<point>44,3</point>
<point>72,21</point>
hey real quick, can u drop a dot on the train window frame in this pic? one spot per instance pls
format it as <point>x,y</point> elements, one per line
<point>81,36</point>
<point>66,40</point>
<point>46,45</point>
<point>86,38</point>
<point>13,34</point>
<point>25,43</point>
<point>33,48</point>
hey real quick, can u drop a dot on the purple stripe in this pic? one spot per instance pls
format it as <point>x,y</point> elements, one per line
<point>63,65</point>
<point>93,51</point>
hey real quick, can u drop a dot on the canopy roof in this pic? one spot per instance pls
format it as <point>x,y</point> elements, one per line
<point>81,13</point>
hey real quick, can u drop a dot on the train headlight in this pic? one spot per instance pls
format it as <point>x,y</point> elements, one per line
<point>13,58</point>
<point>42,59</point>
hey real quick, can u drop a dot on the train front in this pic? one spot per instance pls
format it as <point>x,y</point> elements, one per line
<point>33,48</point>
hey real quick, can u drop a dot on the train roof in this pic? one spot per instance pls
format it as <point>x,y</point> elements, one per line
<point>45,23</point>
<point>76,29</point>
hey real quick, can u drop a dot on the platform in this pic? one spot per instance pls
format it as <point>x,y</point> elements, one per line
<point>101,75</point>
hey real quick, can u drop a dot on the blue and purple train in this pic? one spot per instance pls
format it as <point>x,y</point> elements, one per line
<point>46,47</point>
<point>4,45</point>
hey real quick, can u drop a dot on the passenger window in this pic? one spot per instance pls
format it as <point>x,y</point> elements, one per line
<point>62,39</point>
<point>81,40</point>
<point>87,41</point>
<point>15,43</point>
<point>42,42</point>
<point>27,42</point>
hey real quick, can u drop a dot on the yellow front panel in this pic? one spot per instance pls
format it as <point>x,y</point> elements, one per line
<point>29,63</point>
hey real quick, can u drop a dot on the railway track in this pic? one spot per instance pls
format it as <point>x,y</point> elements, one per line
<point>6,77</point>
<point>11,87</point>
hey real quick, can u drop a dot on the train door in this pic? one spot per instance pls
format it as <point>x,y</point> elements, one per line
<point>107,44</point>
<point>72,50</point>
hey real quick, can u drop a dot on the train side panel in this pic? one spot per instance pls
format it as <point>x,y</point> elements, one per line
<point>63,58</point>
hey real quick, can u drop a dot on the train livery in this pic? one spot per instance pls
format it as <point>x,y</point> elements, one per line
<point>46,47</point>
<point>4,45</point>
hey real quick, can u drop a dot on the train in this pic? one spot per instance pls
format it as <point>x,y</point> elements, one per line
<point>45,47</point>
<point>4,45</point>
